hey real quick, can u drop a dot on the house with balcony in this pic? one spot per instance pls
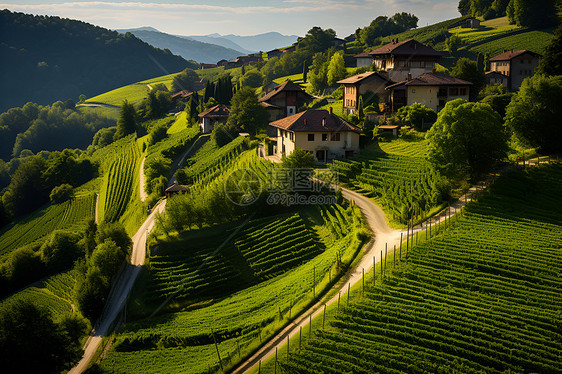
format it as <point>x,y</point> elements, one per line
<point>368,83</point>
<point>320,132</point>
<point>511,68</point>
<point>401,59</point>
<point>430,89</point>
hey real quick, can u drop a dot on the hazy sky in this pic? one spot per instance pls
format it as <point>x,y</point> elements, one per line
<point>245,17</point>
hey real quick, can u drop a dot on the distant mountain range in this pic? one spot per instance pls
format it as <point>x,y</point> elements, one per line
<point>186,47</point>
<point>213,47</point>
<point>249,44</point>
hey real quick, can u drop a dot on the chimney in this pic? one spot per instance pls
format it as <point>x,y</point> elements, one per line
<point>305,122</point>
<point>323,121</point>
<point>330,111</point>
<point>409,76</point>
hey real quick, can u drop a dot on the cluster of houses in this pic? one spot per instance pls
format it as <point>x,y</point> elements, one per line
<point>405,75</point>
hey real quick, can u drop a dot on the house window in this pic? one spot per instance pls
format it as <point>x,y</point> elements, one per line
<point>413,90</point>
<point>454,91</point>
<point>310,137</point>
<point>335,137</point>
<point>324,137</point>
<point>291,136</point>
<point>422,64</point>
<point>462,91</point>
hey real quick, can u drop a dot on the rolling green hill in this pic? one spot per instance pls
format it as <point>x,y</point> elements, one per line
<point>56,59</point>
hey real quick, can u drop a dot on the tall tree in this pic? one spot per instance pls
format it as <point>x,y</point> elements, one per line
<point>467,140</point>
<point>468,70</point>
<point>246,113</point>
<point>336,69</point>
<point>551,61</point>
<point>533,13</point>
<point>535,111</point>
<point>185,80</point>
<point>127,123</point>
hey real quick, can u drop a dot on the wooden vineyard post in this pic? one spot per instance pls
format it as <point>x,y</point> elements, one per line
<point>287,347</point>
<point>407,237</point>
<point>374,271</point>
<point>309,326</point>
<point>394,254</point>
<point>382,268</point>
<point>217,348</point>
<point>339,297</point>
<point>348,292</point>
<point>363,283</point>
<point>324,317</point>
<point>385,253</point>
<point>275,365</point>
<point>430,227</point>
<point>400,242</point>
<point>259,367</point>
<point>300,337</point>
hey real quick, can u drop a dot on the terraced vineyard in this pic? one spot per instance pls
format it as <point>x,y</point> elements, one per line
<point>54,293</point>
<point>210,159</point>
<point>483,296</point>
<point>534,40</point>
<point>238,296</point>
<point>67,215</point>
<point>397,175</point>
<point>272,247</point>
<point>118,183</point>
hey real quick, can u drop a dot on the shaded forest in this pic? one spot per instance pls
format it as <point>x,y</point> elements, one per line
<point>45,59</point>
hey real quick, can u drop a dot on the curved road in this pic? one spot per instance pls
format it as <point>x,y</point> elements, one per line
<point>120,290</point>
<point>383,236</point>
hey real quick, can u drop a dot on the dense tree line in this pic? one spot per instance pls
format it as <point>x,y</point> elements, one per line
<point>531,13</point>
<point>34,178</point>
<point>47,128</point>
<point>221,90</point>
<point>52,58</point>
<point>383,26</point>
<point>32,341</point>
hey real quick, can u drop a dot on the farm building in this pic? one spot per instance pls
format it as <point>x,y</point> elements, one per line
<point>431,89</point>
<point>284,100</point>
<point>401,59</point>
<point>217,114</point>
<point>469,23</point>
<point>363,84</point>
<point>515,66</point>
<point>175,189</point>
<point>325,135</point>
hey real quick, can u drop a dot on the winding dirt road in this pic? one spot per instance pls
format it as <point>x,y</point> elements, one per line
<point>373,252</point>
<point>120,290</point>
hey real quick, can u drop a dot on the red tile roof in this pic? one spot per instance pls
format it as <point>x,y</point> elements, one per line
<point>408,47</point>
<point>183,94</point>
<point>216,111</point>
<point>359,77</point>
<point>314,121</point>
<point>288,85</point>
<point>363,54</point>
<point>432,79</point>
<point>509,55</point>
<point>176,188</point>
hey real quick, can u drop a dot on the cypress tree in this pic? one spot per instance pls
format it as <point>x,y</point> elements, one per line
<point>304,72</point>
<point>208,92</point>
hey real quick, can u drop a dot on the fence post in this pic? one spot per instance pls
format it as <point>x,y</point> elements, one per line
<point>275,365</point>
<point>324,317</point>
<point>300,337</point>
<point>287,347</point>
<point>363,283</point>
<point>217,348</point>
<point>374,271</point>
<point>348,292</point>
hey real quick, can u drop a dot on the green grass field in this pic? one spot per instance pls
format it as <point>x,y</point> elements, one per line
<point>134,93</point>
<point>481,297</point>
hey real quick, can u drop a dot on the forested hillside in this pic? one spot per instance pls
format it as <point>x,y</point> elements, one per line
<point>45,59</point>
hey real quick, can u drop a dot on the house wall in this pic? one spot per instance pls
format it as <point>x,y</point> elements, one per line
<point>206,125</point>
<point>522,67</point>
<point>349,141</point>
<point>493,79</point>
<point>364,61</point>
<point>502,67</point>
<point>427,95</point>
